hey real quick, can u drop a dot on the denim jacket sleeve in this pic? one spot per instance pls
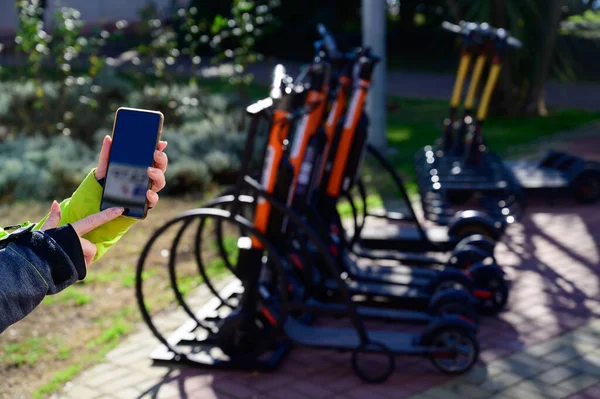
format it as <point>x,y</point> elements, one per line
<point>32,265</point>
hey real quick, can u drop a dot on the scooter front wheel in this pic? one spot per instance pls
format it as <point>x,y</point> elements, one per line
<point>496,290</point>
<point>369,372</point>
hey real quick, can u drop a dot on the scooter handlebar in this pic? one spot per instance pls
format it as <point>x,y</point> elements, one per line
<point>328,41</point>
<point>503,35</point>
<point>483,29</point>
<point>278,77</point>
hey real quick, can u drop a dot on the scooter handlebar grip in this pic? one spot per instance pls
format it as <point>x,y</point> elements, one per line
<point>514,42</point>
<point>449,26</point>
<point>277,81</point>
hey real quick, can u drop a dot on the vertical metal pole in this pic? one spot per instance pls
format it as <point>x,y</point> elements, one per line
<point>373,36</point>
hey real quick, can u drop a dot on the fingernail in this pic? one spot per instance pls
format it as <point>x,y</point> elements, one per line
<point>151,169</point>
<point>118,211</point>
<point>157,153</point>
<point>54,205</point>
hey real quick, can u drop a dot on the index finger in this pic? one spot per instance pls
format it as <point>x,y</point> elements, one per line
<point>91,222</point>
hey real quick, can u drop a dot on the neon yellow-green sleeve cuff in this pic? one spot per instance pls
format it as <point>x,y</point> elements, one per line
<point>84,202</point>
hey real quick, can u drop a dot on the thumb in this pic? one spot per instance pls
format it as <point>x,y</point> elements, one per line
<point>103,158</point>
<point>53,218</point>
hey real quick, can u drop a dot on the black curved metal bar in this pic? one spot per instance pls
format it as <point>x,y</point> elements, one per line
<point>400,185</point>
<point>202,268</point>
<point>219,214</point>
<point>173,276</point>
<point>225,200</point>
<point>363,197</point>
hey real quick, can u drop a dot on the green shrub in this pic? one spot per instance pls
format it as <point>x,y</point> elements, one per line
<point>223,166</point>
<point>187,175</point>
<point>42,168</point>
<point>70,111</point>
<point>38,167</point>
<point>55,109</point>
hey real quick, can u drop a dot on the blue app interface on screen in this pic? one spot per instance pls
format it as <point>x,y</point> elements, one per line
<point>132,152</point>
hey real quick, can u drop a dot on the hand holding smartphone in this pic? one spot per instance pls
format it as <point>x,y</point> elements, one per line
<point>136,133</point>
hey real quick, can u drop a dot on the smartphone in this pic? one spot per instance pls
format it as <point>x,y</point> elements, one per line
<point>135,137</point>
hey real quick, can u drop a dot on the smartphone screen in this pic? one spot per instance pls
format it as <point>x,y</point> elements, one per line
<point>135,138</point>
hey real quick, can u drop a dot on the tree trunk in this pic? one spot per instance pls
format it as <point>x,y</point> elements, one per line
<point>536,102</point>
<point>454,10</point>
<point>408,10</point>
<point>504,98</point>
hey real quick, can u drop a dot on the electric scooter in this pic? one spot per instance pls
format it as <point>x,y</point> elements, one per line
<point>406,244</point>
<point>401,285</point>
<point>450,177</point>
<point>268,318</point>
<point>555,175</point>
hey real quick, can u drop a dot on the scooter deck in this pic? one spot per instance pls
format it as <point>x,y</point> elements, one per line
<point>531,176</point>
<point>412,259</point>
<point>453,174</point>
<point>436,234</point>
<point>375,313</point>
<point>393,274</point>
<point>405,295</point>
<point>348,339</point>
<point>405,238</point>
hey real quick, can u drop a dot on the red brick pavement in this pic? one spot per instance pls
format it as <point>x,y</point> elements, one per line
<point>552,260</point>
<point>592,392</point>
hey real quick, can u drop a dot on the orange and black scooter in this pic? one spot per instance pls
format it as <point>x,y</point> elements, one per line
<point>270,313</point>
<point>401,284</point>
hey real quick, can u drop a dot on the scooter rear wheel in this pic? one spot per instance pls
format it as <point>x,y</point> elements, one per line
<point>477,240</point>
<point>454,350</point>
<point>467,256</point>
<point>586,187</point>
<point>497,286</point>
<point>239,333</point>
<point>458,308</point>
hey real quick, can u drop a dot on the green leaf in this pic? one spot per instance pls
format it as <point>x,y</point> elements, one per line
<point>218,24</point>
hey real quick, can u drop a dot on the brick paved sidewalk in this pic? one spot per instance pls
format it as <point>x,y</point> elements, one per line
<point>547,344</point>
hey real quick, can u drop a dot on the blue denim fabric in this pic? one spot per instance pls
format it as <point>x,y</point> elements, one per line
<point>28,264</point>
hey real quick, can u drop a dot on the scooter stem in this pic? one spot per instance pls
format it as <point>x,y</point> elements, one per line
<point>490,85</point>
<point>463,67</point>
<point>474,84</point>
<point>459,83</point>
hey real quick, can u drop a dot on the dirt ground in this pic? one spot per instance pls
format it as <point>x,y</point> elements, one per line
<point>72,329</point>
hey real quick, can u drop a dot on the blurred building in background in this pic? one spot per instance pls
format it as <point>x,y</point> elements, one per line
<point>92,11</point>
